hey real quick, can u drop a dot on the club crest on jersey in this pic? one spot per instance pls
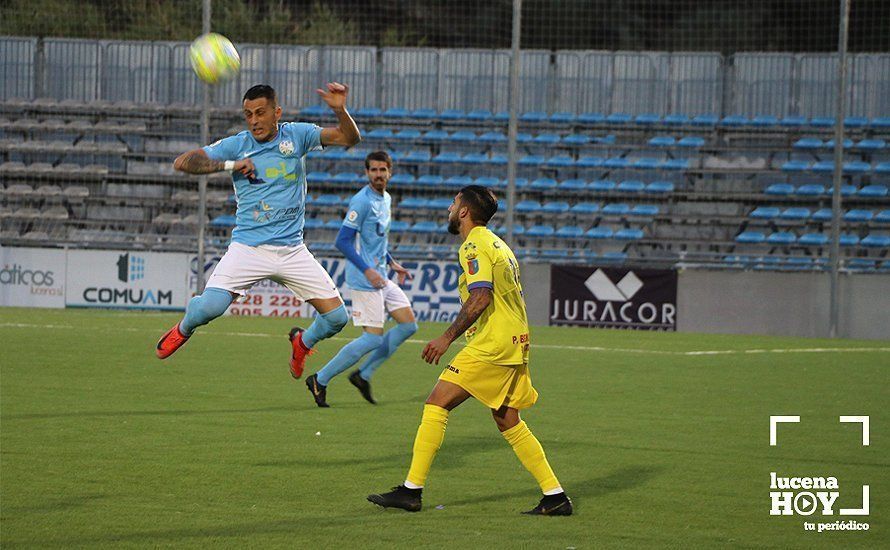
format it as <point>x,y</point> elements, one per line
<point>473,266</point>
<point>286,147</point>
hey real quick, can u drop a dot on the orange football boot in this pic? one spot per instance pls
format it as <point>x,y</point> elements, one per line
<point>300,352</point>
<point>171,341</point>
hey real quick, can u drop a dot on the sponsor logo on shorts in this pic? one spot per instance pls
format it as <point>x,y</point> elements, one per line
<point>453,369</point>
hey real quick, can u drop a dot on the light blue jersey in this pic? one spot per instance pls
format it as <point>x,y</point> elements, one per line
<point>369,214</point>
<point>271,205</point>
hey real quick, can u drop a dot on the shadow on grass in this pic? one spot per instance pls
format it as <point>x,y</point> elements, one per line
<point>50,507</point>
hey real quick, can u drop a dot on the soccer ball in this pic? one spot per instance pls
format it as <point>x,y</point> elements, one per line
<point>214,58</point>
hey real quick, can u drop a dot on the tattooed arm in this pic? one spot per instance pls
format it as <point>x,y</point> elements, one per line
<point>480,298</point>
<point>196,161</point>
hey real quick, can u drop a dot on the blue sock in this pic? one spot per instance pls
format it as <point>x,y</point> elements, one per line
<point>348,356</point>
<point>204,308</point>
<point>391,340</point>
<point>325,326</point>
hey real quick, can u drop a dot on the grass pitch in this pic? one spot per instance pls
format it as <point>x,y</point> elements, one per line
<point>102,445</point>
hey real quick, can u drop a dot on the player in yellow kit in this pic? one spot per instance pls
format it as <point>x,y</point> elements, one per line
<point>493,367</point>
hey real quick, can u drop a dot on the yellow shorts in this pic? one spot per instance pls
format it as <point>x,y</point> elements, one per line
<point>493,385</point>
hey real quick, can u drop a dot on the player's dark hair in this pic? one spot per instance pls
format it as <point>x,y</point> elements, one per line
<point>380,156</point>
<point>261,90</point>
<point>481,201</point>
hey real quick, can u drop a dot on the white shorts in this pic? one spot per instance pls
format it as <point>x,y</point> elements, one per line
<point>369,307</point>
<point>295,267</point>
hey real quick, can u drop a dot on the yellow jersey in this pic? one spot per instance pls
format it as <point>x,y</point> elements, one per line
<point>500,335</point>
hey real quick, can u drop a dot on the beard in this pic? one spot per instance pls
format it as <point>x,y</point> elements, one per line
<point>453,226</point>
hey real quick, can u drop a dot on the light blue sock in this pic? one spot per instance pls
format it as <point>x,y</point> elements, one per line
<point>349,355</point>
<point>204,308</point>
<point>391,341</point>
<point>325,326</point>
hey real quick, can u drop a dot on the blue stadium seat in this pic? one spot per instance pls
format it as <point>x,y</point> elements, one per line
<point>750,237</point>
<point>543,184</point>
<point>554,254</point>
<point>782,237</point>
<point>734,120</point>
<point>379,133</point>
<point>647,119</point>
<point>364,112</point>
<point>560,161</point>
<point>318,177</point>
<point>660,187</point>
<point>858,216</point>
<point>458,181</point>
<point>882,217</point>
<point>424,114</point>
<point>855,122</point>
<point>675,120</point>
<point>533,116</point>
<point>401,178</point>
<point>871,145</point>
<point>425,226</point>
<point>813,239</point>
<point>576,139</point>
<point>793,121</point>
<point>628,234</point>
<point>736,261</point>
<point>555,207</point>
<point>396,112</point>
<point>540,231</point>
<point>615,209</point>
<point>764,121</point>
<point>414,203</point>
<point>883,168</point>
<point>327,200</point>
<point>591,118</point>
<point>691,141</point>
<point>439,203</point>
<point>570,232</point>
<point>313,223</point>
<point>334,154</point>
<point>436,135</point>
<point>795,213</point>
<point>880,122</point>
<point>808,143</point>
<point>616,162</point>
<point>766,263</point>
<point>430,180</point>
<point>675,164</point>
<point>475,158</point>
<point>223,222</point>
<point>332,225</point>
<point>528,206</point>
<point>572,185</point>
<point>848,190</point>
<point>463,136</point>
<point>488,181</point>
<point>705,120</point>
<point>347,177</point>
<point>520,183</point>
<point>598,233</point>
<point>502,116</point>
<point>407,134</point>
<point>546,139</point>
<point>447,157</point>
<point>531,160</point>
<point>562,117</point>
<point>589,161</point>
<point>873,191</point>
<point>614,257</point>
<point>779,189</point>
<point>585,208</point>
<point>861,264</point>
<point>875,241</point>
<point>822,122</point>
<point>479,115</point>
<point>619,118</point>
<point>500,160</point>
<point>417,156</point>
<point>848,239</point>
<point>493,137</point>
<point>822,215</point>
<point>848,143</point>
<point>663,141</point>
<point>795,166</point>
<point>524,137</point>
<point>856,167</point>
<point>631,186</point>
<point>601,186</point>
<point>644,210</point>
<point>798,263</point>
<point>647,163</point>
<point>765,213</point>
<point>317,111</point>
<point>398,226</point>
<point>810,190</point>
<point>823,166</point>
<point>451,114</point>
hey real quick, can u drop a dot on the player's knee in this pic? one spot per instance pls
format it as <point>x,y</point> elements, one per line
<point>408,328</point>
<point>374,340</point>
<point>210,305</point>
<point>336,319</point>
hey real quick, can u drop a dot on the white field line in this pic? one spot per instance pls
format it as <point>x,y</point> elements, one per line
<point>538,346</point>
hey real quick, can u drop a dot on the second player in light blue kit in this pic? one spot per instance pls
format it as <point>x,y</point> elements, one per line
<point>269,176</point>
<point>363,239</point>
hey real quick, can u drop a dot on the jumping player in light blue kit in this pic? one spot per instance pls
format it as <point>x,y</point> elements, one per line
<point>268,172</point>
<point>363,239</point>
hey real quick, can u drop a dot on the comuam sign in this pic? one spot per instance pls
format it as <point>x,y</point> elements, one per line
<point>610,297</point>
<point>127,279</point>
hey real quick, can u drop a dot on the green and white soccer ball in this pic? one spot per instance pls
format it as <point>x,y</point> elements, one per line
<point>214,58</point>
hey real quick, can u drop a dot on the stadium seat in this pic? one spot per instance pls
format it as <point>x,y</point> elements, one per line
<point>424,227</point>
<point>646,163</point>
<point>628,234</point>
<point>430,180</point>
<point>327,200</point>
<point>436,135</point>
<point>822,122</point>
<point>543,184</point>
<point>475,158</point>
<point>223,222</point>
<point>873,191</point>
<point>379,133</point>
<point>660,187</point>
<point>589,161</point>
<point>798,263</point>
<point>647,119</point>
<point>531,160</point>
<point>575,139</point>
<point>808,143</point>
<point>882,217</point>
<point>540,231</point>
<point>591,118</point>
<point>585,208</point>
<point>312,223</point>
<point>601,186</point>
<point>479,115</point>
<point>875,241</point>
<point>452,114</point>
<point>822,215</point>
<point>555,207</point>
<point>767,263</point>
<point>880,122</point>
<point>439,203</point>
<point>407,134</point>
<point>750,237</point>
<point>463,136</point>
<point>675,164</point>
<point>570,232</point>
<point>765,213</point>
<point>524,137</point>
<point>533,116</point>
<point>318,177</point>
<point>734,120</point>
<point>458,181</point>
<point>795,213</point>
<point>424,114</point>
<point>855,122</point>
<point>779,189</point>
<point>856,167</point>
<point>793,121</point>
<point>347,178</point>
<point>396,112</point>
<point>615,209</point>
<point>619,118</point>
<point>500,160</point>
<point>493,137</point>
<point>614,257</point>
<point>447,157</point>
<point>488,181</point>
<point>644,210</point>
<point>883,168</point>
<point>782,237</point>
<point>413,203</point>
<point>554,254</point>
<point>562,117</point>
<point>848,239</point>
<point>560,161</point>
<point>663,141</point>
<point>795,166</point>
<point>616,163</point>
<point>813,239</point>
<point>848,143</point>
<point>871,145</point>
<point>631,186</point>
<point>528,206</point>
<point>823,166</point>
<point>810,190</point>
<point>858,216</point>
<point>598,233</point>
<point>764,121</point>
<point>572,185</point>
<point>861,264</point>
<point>546,139</point>
<point>319,110</point>
<point>402,179</point>
<point>691,141</point>
<point>398,226</point>
<point>705,120</point>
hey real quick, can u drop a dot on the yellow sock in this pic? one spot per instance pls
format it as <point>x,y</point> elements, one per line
<point>430,435</point>
<point>531,454</point>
